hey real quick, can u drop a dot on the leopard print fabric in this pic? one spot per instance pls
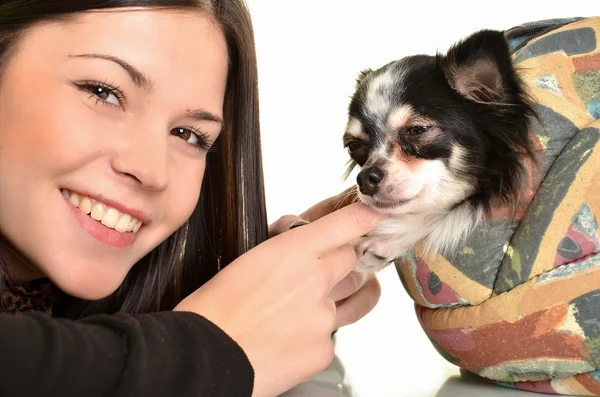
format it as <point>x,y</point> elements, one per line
<point>35,295</point>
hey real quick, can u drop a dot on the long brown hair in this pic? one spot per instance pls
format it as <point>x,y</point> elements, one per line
<point>230,217</point>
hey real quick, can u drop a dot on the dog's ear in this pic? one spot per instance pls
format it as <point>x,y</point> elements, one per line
<point>478,66</point>
<point>361,76</point>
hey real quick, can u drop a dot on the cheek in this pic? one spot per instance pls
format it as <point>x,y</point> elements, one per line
<point>184,192</point>
<point>413,170</point>
<point>411,176</point>
<point>49,124</point>
<point>430,172</point>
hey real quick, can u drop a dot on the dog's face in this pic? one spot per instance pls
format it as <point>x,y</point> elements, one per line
<point>411,158</point>
<point>405,132</point>
<point>422,129</point>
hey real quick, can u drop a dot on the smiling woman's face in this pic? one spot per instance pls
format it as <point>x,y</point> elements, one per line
<point>105,121</point>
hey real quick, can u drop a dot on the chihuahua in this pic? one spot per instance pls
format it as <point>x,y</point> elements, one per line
<point>440,141</point>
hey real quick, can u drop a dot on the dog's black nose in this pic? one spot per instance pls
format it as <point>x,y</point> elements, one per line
<point>368,180</point>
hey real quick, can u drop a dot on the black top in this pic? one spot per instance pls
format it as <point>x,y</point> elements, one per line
<point>161,354</point>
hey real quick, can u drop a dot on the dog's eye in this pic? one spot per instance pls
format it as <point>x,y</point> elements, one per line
<point>354,146</point>
<point>358,151</point>
<point>418,129</point>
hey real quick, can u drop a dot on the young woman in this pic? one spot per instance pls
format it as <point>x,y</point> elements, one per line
<point>130,177</point>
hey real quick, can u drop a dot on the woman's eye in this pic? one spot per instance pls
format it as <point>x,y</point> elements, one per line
<point>185,134</point>
<point>195,138</point>
<point>105,94</point>
<point>102,92</point>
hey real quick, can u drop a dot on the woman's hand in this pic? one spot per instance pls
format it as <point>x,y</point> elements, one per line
<point>276,300</point>
<point>358,293</point>
<point>315,212</point>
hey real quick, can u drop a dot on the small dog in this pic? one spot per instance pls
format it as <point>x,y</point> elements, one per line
<point>440,141</point>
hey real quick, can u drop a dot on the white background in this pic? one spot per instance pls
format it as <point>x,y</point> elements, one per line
<point>309,54</point>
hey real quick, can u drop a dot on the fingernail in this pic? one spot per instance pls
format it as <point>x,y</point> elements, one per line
<point>299,222</point>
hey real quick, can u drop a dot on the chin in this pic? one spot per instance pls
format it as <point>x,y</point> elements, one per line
<point>439,141</point>
<point>85,284</point>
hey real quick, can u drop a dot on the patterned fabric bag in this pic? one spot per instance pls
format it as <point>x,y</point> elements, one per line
<point>519,302</point>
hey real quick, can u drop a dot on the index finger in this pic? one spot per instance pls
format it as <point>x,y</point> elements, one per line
<point>340,227</point>
<point>330,205</point>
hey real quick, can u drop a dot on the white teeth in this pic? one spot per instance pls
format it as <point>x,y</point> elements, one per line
<point>108,216</point>
<point>137,226</point>
<point>85,205</point>
<point>132,224</point>
<point>123,223</point>
<point>97,211</point>
<point>74,199</point>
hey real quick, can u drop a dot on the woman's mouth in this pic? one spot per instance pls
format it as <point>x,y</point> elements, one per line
<point>103,222</point>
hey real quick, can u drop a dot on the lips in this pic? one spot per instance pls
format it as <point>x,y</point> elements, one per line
<point>107,221</point>
<point>110,217</point>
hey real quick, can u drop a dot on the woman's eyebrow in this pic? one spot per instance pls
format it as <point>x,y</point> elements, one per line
<point>203,115</point>
<point>146,83</point>
<point>135,74</point>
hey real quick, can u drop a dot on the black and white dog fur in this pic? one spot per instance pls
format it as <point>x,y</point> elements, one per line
<point>440,141</point>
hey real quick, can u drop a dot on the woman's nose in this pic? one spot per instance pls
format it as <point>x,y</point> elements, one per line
<point>143,157</point>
